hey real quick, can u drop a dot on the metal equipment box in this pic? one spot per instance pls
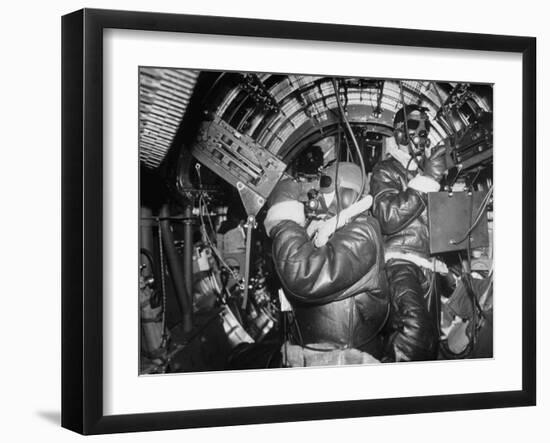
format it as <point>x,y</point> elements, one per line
<point>450,216</point>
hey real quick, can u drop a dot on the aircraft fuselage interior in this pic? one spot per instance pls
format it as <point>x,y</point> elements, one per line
<point>292,220</point>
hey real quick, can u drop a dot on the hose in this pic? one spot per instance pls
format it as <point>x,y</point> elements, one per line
<point>175,269</point>
<point>352,136</point>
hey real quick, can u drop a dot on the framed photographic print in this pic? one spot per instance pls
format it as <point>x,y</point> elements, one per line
<point>273,221</point>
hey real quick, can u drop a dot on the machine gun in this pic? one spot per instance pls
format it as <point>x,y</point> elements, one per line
<point>240,161</point>
<point>243,163</point>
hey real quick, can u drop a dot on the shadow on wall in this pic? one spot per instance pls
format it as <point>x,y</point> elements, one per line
<point>54,417</point>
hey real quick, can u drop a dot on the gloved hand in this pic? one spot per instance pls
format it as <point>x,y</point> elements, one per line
<point>284,205</point>
<point>436,165</point>
<point>321,231</point>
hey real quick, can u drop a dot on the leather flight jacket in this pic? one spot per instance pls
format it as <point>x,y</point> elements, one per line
<point>338,291</point>
<point>401,211</point>
<point>413,332</point>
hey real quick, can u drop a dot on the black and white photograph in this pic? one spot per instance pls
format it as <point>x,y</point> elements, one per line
<point>294,220</point>
<point>270,222</point>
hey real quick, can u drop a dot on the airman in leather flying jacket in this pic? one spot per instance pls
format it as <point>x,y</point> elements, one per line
<point>399,186</point>
<point>337,290</point>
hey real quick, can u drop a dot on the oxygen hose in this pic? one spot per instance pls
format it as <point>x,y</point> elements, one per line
<point>405,123</point>
<point>352,136</point>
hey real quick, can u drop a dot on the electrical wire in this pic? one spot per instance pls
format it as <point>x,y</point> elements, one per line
<point>208,217</point>
<point>352,136</point>
<point>467,279</point>
<point>445,110</point>
<point>481,210</point>
<point>443,344</point>
<point>163,286</point>
<point>405,123</point>
<point>468,286</point>
<point>216,251</point>
<point>210,243</point>
<point>336,193</point>
<point>478,315</point>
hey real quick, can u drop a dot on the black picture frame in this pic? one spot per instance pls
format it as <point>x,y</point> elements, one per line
<point>82,220</point>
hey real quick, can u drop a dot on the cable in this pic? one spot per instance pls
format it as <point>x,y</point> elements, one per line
<point>468,281</point>
<point>336,193</point>
<point>211,244</point>
<point>203,200</point>
<point>482,207</point>
<point>467,278</point>
<point>448,119</point>
<point>208,217</point>
<point>443,344</point>
<point>163,286</point>
<point>406,124</point>
<point>352,136</point>
<point>467,274</point>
